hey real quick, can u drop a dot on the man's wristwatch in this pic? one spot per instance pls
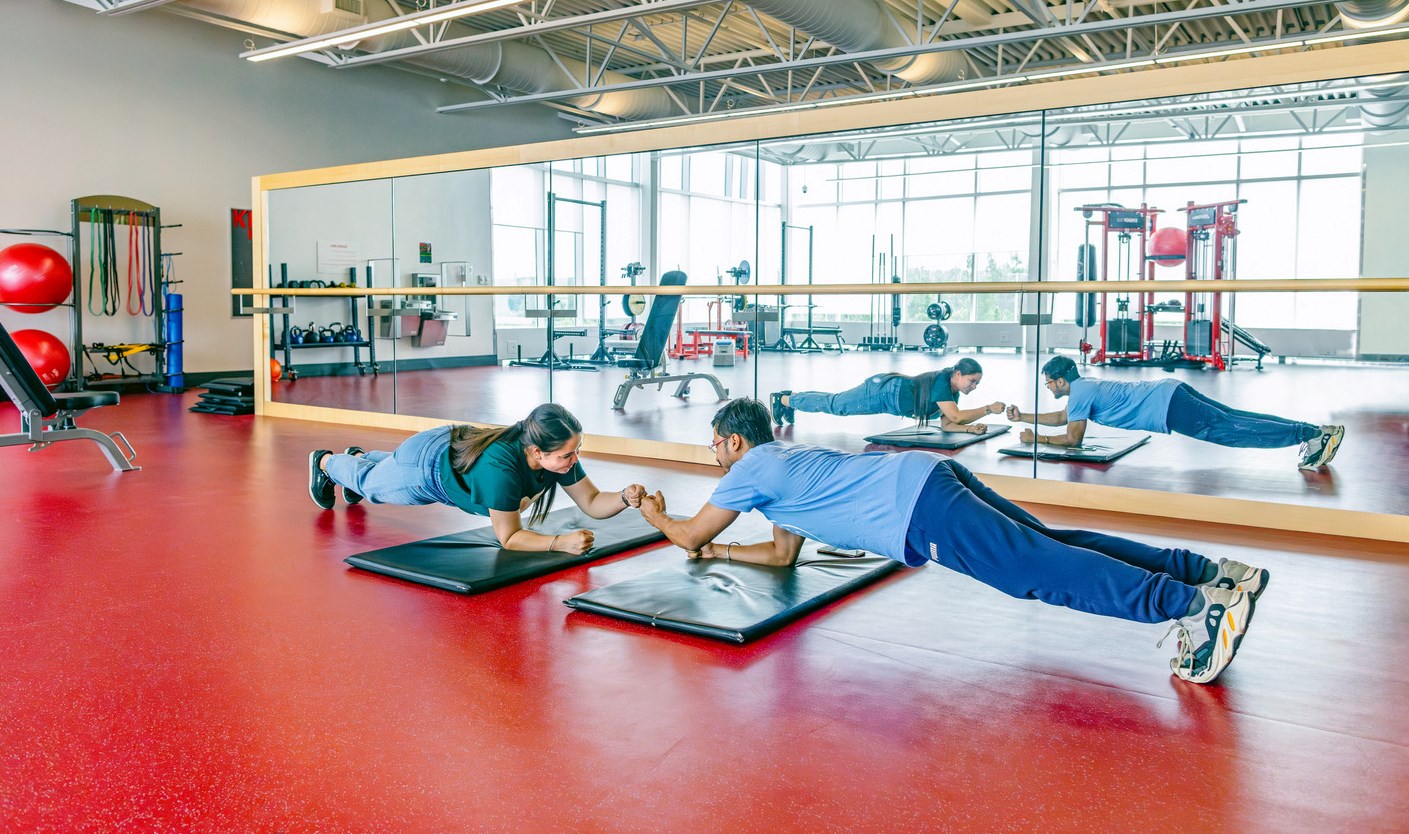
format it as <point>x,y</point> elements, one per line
<point>624,502</point>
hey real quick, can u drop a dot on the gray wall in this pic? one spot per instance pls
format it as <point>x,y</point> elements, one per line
<point>1383,333</point>
<point>159,107</point>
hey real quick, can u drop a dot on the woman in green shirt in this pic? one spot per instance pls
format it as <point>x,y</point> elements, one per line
<point>493,472</point>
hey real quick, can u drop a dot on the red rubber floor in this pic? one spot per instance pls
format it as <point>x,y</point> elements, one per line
<point>181,649</point>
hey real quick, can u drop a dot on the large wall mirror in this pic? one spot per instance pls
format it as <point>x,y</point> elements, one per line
<point>1304,181</point>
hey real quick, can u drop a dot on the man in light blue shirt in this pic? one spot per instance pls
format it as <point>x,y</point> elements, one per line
<point>1165,406</point>
<point>915,507</point>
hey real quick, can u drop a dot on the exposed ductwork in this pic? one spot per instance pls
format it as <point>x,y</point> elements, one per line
<point>1385,107</point>
<point>513,66</point>
<point>1363,14</point>
<point>864,26</point>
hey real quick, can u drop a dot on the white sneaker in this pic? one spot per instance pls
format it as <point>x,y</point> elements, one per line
<point>1240,577</point>
<point>1331,437</point>
<point>1209,640</point>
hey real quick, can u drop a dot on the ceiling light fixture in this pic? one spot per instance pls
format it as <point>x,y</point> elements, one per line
<point>989,82</point>
<point>372,30</point>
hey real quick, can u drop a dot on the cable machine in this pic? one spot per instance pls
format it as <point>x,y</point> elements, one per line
<point>1211,338</point>
<point>1122,338</point>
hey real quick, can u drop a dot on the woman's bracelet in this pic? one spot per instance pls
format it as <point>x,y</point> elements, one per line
<point>554,545</point>
<point>728,551</point>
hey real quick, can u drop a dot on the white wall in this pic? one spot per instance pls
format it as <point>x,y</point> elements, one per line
<point>160,108</point>
<point>1383,253</point>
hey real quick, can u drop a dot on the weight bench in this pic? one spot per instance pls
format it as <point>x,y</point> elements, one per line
<point>550,358</point>
<point>472,562</point>
<point>809,343</point>
<point>735,601</point>
<point>1094,449</point>
<point>47,418</point>
<point>647,365</point>
<point>931,437</point>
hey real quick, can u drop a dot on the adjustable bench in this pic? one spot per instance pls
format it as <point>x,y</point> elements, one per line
<point>810,343</point>
<point>47,418</point>
<point>647,365</point>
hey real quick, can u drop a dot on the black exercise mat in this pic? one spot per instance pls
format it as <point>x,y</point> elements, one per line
<point>734,601</point>
<point>228,410</point>
<point>1093,449</point>
<point>930,437</point>
<point>472,561</point>
<point>235,384</point>
<point>225,399</point>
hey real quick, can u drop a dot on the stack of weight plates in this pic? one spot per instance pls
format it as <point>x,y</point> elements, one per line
<point>230,395</point>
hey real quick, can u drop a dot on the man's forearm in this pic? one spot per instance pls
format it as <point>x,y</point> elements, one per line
<point>674,529</point>
<point>762,553</point>
<point>1056,440</point>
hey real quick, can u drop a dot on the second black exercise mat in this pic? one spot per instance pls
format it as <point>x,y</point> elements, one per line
<point>734,601</point>
<point>930,437</point>
<point>473,561</point>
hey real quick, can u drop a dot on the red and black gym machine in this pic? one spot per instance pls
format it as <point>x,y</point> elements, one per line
<point>1207,247</point>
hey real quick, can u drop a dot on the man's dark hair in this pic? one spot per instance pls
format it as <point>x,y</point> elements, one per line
<point>1061,367</point>
<point>748,418</point>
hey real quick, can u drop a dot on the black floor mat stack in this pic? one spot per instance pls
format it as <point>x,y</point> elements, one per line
<point>228,395</point>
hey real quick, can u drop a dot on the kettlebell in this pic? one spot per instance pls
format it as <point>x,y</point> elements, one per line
<point>325,335</point>
<point>315,284</point>
<point>335,329</point>
<point>350,334</point>
<point>296,336</point>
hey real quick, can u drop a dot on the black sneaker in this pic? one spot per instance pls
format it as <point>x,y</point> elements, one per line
<point>775,402</point>
<point>348,495</point>
<point>320,486</point>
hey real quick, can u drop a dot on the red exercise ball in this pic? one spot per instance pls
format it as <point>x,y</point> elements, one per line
<point>46,354</point>
<point>33,277</point>
<point>1168,245</point>
<point>276,371</point>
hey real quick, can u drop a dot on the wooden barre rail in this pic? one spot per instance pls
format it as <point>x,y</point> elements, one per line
<point>976,288</point>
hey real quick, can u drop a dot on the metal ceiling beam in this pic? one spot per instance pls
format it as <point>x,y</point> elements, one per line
<point>540,28</point>
<point>1115,24</point>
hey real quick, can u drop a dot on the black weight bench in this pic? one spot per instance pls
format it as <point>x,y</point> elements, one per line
<point>810,343</point>
<point>647,365</point>
<point>47,418</point>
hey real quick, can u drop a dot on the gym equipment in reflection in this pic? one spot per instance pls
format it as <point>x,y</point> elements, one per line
<point>614,340</point>
<point>720,338</point>
<point>47,418</point>
<point>884,337</point>
<point>473,562</point>
<point>1206,248</point>
<point>735,601</point>
<point>336,334</point>
<point>1210,253</point>
<point>788,335</point>
<point>1094,449</point>
<point>648,365</point>
<point>551,312</point>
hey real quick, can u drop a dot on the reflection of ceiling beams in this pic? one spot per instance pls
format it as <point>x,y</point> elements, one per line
<point>1000,39</point>
<point>716,55</point>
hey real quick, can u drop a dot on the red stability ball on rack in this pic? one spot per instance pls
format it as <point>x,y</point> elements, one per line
<point>1168,245</point>
<point>45,353</point>
<point>33,277</point>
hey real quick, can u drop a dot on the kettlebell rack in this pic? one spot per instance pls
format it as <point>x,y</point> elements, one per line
<point>295,337</point>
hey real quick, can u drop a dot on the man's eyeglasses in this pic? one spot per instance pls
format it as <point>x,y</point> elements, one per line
<point>712,446</point>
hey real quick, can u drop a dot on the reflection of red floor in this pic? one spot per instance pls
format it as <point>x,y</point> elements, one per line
<point>182,649</point>
<point>1369,474</point>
